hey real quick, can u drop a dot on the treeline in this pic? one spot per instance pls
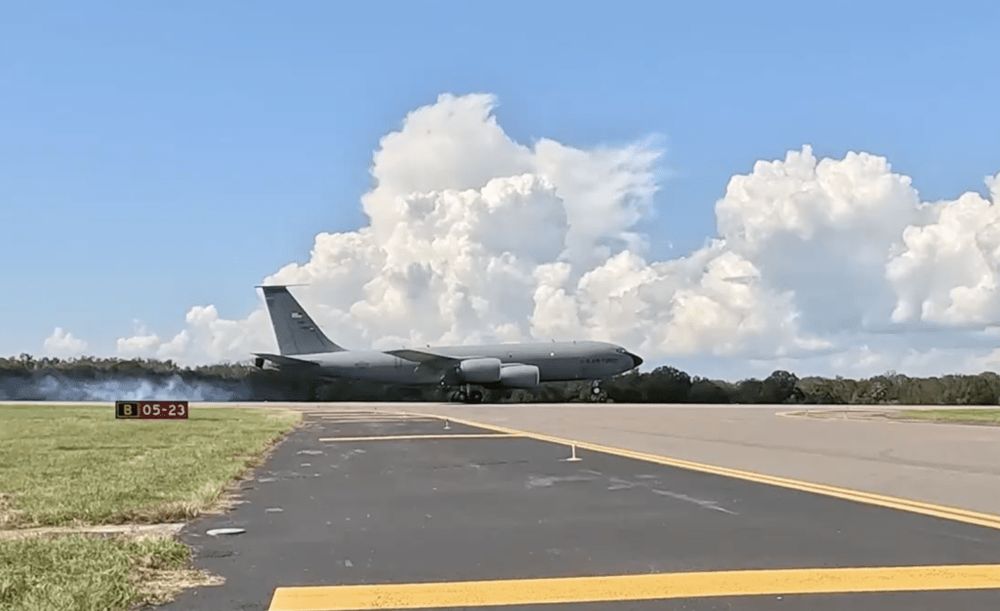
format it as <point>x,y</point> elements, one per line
<point>90,378</point>
<point>669,385</point>
<point>26,364</point>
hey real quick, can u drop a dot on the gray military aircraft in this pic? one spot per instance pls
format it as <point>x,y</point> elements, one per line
<point>305,350</point>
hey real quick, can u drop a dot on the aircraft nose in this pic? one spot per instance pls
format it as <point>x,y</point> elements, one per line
<point>636,359</point>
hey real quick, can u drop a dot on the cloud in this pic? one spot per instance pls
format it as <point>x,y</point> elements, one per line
<point>823,230</point>
<point>947,270</point>
<point>460,219</point>
<point>62,343</point>
<point>474,237</point>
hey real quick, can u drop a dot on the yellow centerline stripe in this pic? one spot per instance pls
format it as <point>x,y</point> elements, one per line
<point>444,436</point>
<point>618,588</point>
<point>938,511</point>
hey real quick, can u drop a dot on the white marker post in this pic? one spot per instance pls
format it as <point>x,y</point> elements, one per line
<point>573,457</point>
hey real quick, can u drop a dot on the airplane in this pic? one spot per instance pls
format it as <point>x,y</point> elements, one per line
<point>304,349</point>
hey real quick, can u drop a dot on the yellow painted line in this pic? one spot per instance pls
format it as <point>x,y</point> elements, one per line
<point>398,437</point>
<point>930,509</point>
<point>619,588</point>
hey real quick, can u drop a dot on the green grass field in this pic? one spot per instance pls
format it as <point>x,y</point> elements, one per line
<point>954,416</point>
<point>90,574</point>
<point>69,466</point>
<point>78,465</point>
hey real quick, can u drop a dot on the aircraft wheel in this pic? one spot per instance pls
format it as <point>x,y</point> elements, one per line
<point>475,397</point>
<point>458,396</point>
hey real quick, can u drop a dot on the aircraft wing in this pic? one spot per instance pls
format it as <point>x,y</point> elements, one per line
<point>424,357</point>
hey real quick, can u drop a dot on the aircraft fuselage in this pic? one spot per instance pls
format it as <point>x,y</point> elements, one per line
<point>556,361</point>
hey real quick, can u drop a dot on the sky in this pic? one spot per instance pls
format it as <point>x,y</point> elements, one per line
<point>726,187</point>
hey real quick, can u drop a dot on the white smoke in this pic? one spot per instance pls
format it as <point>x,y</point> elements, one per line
<point>475,237</point>
<point>112,387</point>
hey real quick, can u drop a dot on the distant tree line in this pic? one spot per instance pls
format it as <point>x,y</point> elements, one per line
<point>28,378</point>
<point>670,385</point>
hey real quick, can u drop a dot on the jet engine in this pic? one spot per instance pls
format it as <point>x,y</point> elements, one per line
<point>480,371</point>
<point>519,376</point>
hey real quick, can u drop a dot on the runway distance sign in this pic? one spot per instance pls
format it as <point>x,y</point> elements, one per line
<point>151,410</point>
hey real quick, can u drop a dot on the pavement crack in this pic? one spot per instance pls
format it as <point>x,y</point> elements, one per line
<point>545,481</point>
<point>617,483</point>
<point>707,504</point>
<point>477,464</point>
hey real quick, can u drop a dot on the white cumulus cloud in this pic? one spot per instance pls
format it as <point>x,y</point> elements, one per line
<point>63,344</point>
<point>472,236</point>
<point>947,270</point>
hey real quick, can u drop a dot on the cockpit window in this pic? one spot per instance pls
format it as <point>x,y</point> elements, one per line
<point>620,350</point>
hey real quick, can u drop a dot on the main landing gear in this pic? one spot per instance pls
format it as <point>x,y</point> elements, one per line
<point>467,395</point>
<point>597,394</point>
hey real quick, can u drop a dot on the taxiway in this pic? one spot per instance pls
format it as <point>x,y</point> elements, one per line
<point>433,506</point>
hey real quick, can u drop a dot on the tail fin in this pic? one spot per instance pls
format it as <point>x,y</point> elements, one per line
<point>293,328</point>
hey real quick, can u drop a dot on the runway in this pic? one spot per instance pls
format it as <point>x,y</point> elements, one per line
<point>482,506</point>
<point>954,465</point>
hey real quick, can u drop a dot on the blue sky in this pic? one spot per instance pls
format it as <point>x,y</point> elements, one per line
<point>157,156</point>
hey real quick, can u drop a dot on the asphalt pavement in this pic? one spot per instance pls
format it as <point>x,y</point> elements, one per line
<point>944,464</point>
<point>405,510</point>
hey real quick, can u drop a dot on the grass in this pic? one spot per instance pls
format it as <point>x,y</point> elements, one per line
<point>955,416</point>
<point>91,574</point>
<point>67,465</point>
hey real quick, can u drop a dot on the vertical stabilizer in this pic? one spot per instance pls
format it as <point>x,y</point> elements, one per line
<point>293,327</point>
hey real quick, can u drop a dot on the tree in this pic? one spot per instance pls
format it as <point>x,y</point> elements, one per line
<point>748,391</point>
<point>779,387</point>
<point>666,385</point>
<point>707,391</point>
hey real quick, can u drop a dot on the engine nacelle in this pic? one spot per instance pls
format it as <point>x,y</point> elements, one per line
<point>480,371</point>
<point>519,376</point>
